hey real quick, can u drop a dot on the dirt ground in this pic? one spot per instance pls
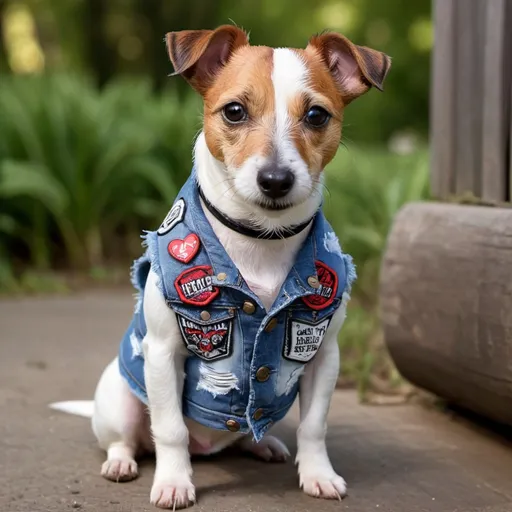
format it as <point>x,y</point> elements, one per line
<point>395,459</point>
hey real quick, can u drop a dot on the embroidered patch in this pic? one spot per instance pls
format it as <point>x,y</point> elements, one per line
<point>194,286</point>
<point>303,339</point>
<point>324,295</point>
<point>184,250</point>
<point>175,216</point>
<point>209,342</point>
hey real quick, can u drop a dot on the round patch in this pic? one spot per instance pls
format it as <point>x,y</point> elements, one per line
<point>175,216</point>
<point>324,295</point>
<point>194,286</point>
<point>184,250</point>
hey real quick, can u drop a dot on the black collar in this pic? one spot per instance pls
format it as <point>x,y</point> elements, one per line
<point>243,229</point>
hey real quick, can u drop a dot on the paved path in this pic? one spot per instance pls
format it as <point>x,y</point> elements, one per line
<point>395,459</point>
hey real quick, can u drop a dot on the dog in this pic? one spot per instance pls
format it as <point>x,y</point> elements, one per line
<point>243,288</point>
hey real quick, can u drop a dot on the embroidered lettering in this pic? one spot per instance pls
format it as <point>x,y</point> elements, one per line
<point>194,286</point>
<point>209,342</point>
<point>303,339</point>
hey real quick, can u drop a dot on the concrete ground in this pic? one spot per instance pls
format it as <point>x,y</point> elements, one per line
<point>395,459</point>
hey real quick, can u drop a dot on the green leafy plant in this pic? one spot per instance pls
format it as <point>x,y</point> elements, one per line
<point>81,166</point>
<point>365,189</point>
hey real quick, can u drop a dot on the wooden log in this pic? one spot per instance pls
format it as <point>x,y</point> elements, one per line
<point>446,303</point>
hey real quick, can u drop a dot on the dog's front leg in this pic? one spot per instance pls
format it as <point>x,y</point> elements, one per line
<point>164,375</point>
<point>317,476</point>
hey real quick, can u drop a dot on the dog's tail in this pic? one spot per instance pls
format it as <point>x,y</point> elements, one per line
<point>83,408</point>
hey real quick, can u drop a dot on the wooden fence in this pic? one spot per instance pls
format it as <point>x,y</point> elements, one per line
<point>471,121</point>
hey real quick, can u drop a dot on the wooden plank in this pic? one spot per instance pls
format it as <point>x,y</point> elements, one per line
<point>442,100</point>
<point>446,303</point>
<point>469,44</point>
<point>496,102</point>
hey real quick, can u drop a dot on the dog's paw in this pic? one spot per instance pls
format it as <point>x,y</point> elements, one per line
<point>173,495</point>
<point>270,449</point>
<point>327,485</point>
<point>120,470</point>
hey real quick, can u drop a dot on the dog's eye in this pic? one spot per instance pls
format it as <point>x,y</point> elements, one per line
<point>317,117</point>
<point>234,113</point>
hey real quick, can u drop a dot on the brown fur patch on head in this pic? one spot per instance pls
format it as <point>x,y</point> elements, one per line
<point>317,147</point>
<point>246,80</point>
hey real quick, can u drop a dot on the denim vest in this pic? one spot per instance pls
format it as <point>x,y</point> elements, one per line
<point>244,363</point>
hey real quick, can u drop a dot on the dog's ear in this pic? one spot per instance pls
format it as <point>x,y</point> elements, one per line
<point>354,68</point>
<point>198,55</point>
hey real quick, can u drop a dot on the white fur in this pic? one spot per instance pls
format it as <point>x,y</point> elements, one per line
<point>120,421</point>
<point>235,190</point>
<point>289,79</point>
<point>83,408</point>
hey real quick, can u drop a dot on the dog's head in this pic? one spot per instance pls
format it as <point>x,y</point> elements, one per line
<point>273,117</point>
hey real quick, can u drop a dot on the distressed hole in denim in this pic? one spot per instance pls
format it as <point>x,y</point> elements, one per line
<point>136,346</point>
<point>286,384</point>
<point>332,244</point>
<point>216,383</point>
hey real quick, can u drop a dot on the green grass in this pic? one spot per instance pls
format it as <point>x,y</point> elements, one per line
<point>83,172</point>
<point>365,189</point>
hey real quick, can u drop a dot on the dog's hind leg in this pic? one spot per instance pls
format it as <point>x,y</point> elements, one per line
<point>121,425</point>
<point>269,449</point>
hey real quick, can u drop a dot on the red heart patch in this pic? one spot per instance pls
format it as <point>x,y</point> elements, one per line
<point>184,250</point>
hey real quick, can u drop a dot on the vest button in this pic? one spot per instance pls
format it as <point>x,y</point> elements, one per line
<point>313,282</point>
<point>249,307</point>
<point>272,324</point>
<point>263,374</point>
<point>233,425</point>
<point>205,315</point>
<point>258,414</point>
<point>222,276</point>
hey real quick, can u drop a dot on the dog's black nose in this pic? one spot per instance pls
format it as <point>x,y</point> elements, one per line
<point>275,182</point>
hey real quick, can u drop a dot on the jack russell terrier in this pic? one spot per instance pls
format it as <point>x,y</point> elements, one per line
<point>243,288</point>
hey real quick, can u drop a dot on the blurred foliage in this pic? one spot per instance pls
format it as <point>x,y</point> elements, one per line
<point>364,189</point>
<point>125,37</point>
<point>80,170</point>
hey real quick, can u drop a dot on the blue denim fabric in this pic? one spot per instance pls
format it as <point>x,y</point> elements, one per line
<point>223,383</point>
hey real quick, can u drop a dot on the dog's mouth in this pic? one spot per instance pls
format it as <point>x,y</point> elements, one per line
<point>274,206</point>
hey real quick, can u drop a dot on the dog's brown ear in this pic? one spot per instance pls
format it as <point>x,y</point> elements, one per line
<point>354,68</point>
<point>198,55</point>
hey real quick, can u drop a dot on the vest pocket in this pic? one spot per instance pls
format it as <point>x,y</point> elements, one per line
<point>207,334</point>
<point>305,332</point>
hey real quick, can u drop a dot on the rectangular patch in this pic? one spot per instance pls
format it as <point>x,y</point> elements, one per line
<point>209,342</point>
<point>303,339</point>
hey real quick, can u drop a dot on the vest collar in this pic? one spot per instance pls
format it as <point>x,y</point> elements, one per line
<point>246,230</point>
<point>225,272</point>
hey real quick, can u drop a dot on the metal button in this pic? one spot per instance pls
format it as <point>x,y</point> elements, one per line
<point>249,307</point>
<point>205,315</point>
<point>263,374</point>
<point>258,414</point>
<point>222,276</point>
<point>272,324</point>
<point>233,425</point>
<point>313,282</point>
